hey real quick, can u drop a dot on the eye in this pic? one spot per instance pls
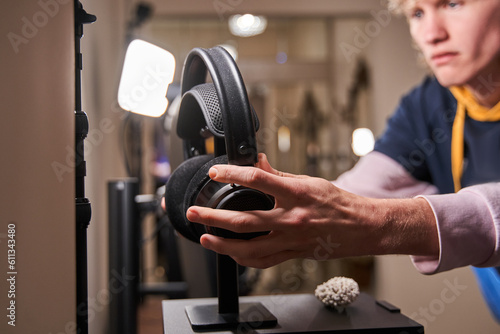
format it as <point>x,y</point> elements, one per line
<point>416,14</point>
<point>453,4</point>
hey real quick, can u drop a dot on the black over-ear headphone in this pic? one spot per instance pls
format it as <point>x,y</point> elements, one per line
<point>219,108</point>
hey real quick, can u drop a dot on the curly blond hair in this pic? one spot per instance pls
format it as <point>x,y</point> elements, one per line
<point>398,6</point>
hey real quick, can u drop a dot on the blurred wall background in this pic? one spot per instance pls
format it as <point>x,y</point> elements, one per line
<point>37,195</point>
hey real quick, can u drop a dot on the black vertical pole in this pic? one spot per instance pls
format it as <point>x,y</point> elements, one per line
<point>124,250</point>
<point>83,209</point>
<point>227,285</point>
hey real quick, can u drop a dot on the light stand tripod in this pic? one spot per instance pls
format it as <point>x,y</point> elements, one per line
<point>83,209</point>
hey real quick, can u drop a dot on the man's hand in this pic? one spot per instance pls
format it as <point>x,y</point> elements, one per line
<point>314,219</point>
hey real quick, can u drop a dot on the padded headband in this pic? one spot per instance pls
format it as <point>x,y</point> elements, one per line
<point>228,93</point>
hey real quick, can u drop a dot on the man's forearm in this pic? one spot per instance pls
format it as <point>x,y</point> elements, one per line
<point>409,227</point>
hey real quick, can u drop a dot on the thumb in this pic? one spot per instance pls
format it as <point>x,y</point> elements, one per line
<point>264,164</point>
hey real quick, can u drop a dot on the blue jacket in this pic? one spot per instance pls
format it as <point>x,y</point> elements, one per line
<point>418,136</point>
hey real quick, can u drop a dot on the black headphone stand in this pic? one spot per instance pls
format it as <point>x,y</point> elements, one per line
<point>229,313</point>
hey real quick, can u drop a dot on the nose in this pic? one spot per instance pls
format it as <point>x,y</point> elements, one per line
<point>434,29</point>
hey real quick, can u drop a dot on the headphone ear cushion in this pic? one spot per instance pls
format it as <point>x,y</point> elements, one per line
<point>175,191</point>
<point>201,192</point>
<point>200,179</point>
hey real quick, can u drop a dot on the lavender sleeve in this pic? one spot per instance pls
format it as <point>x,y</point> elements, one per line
<point>469,229</point>
<point>468,222</point>
<point>379,176</point>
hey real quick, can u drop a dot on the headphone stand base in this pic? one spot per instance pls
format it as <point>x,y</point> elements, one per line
<point>250,316</point>
<point>229,313</point>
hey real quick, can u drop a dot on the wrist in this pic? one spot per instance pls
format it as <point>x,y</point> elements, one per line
<point>406,226</point>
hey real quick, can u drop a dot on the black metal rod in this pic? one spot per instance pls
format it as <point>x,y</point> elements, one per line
<point>124,254</point>
<point>82,210</point>
<point>227,285</point>
<point>81,278</point>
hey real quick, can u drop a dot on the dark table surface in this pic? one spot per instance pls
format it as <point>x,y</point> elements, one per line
<point>302,313</point>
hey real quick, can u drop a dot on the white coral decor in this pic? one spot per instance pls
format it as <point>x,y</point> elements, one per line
<point>337,292</point>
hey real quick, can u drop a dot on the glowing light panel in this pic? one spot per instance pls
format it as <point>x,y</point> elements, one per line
<point>148,70</point>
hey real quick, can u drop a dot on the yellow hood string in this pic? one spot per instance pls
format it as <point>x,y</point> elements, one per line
<point>466,104</point>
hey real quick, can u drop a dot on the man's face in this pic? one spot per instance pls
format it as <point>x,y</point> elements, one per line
<point>460,40</point>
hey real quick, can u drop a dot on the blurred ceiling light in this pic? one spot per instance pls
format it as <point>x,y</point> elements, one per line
<point>247,25</point>
<point>147,72</point>
<point>284,139</point>
<point>363,141</point>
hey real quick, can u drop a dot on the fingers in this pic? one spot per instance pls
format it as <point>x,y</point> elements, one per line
<point>236,221</point>
<point>261,252</point>
<point>237,247</point>
<point>267,261</point>
<point>250,177</point>
<point>264,164</point>
<point>262,177</point>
